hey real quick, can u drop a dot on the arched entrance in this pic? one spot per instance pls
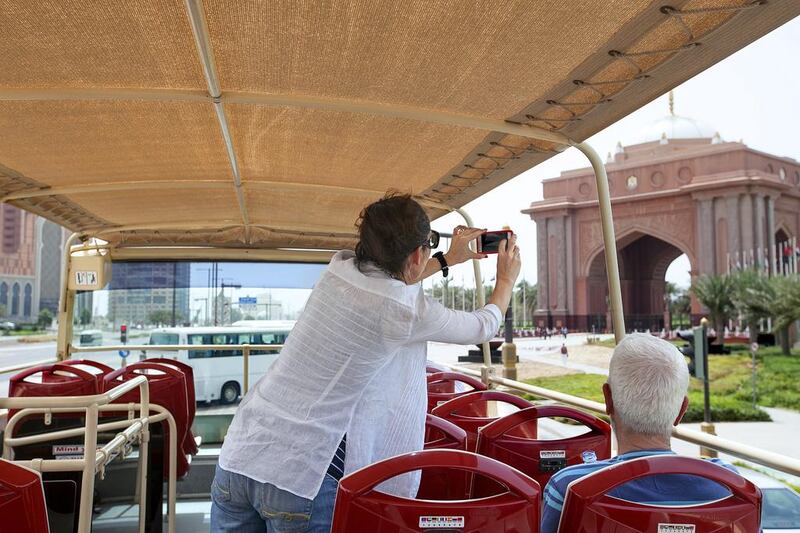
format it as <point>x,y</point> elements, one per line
<point>643,263</point>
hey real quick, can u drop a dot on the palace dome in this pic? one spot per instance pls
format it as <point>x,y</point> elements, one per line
<point>674,126</point>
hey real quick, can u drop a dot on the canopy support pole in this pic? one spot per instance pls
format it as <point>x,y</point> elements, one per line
<point>609,239</point>
<point>487,370</point>
<point>65,304</point>
<point>203,42</point>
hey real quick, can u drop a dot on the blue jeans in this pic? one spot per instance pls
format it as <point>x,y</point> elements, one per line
<point>242,505</point>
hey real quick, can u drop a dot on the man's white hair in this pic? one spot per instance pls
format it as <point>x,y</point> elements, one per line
<point>649,378</point>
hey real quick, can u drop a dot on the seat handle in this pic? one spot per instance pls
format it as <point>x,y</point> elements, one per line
<point>83,374</point>
<point>142,365</point>
<point>459,402</point>
<point>367,478</point>
<point>88,362</point>
<point>20,376</point>
<point>595,485</point>
<point>475,383</point>
<point>448,428</point>
<point>505,424</point>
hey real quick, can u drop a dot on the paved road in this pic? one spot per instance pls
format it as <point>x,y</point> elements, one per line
<point>16,353</point>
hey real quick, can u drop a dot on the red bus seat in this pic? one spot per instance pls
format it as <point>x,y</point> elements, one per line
<point>54,380</point>
<point>442,387</point>
<point>22,505</point>
<point>540,459</point>
<point>167,389</point>
<point>443,483</point>
<point>588,508</point>
<point>470,412</point>
<point>189,445</point>
<point>361,508</point>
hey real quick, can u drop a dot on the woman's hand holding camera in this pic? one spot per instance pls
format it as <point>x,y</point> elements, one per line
<point>508,261</point>
<point>459,247</point>
<point>508,267</point>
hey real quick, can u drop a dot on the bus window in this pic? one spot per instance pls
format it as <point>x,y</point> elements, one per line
<point>199,339</point>
<point>159,338</point>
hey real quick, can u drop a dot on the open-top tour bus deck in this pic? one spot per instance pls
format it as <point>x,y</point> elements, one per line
<point>213,130</point>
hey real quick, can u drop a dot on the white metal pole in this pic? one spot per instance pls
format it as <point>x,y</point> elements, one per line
<point>87,476</point>
<point>609,239</point>
<point>476,269</point>
<point>65,304</point>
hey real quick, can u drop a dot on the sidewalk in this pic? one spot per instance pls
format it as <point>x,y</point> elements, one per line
<point>779,436</point>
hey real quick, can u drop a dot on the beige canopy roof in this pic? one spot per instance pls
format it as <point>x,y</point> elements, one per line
<point>272,123</point>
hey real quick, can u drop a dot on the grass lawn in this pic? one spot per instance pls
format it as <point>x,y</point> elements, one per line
<point>731,391</point>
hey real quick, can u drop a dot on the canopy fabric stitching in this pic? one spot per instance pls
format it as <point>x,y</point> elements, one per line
<point>569,107</point>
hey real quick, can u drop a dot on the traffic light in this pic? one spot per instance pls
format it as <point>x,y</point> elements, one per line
<point>123,334</point>
<point>694,350</point>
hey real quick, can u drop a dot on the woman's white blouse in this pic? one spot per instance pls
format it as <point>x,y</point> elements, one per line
<point>354,363</point>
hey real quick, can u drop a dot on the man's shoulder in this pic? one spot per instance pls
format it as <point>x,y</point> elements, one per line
<point>561,479</point>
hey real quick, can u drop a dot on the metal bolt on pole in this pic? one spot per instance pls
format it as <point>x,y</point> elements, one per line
<point>509,349</point>
<point>707,426</point>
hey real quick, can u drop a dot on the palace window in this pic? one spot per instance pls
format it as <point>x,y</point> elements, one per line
<point>12,229</point>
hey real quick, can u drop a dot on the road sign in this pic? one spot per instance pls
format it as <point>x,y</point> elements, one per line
<point>247,300</point>
<point>754,347</point>
<point>124,353</point>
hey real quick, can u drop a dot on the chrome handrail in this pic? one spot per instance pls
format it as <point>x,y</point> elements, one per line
<point>90,463</point>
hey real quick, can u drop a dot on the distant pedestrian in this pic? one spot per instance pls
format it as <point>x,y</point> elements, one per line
<point>564,354</point>
<point>564,331</point>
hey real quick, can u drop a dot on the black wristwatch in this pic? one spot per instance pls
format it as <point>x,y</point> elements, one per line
<point>440,257</point>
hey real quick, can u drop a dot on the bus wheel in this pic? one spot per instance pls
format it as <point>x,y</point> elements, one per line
<point>230,393</point>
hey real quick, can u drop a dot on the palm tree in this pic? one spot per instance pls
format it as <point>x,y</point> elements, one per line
<point>785,307</point>
<point>753,295</point>
<point>714,292</point>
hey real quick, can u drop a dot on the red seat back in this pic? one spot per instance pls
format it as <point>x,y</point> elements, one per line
<point>588,508</point>
<point>167,389</point>
<point>470,413</point>
<point>189,445</point>
<point>55,380</point>
<point>443,483</point>
<point>22,505</point>
<point>360,508</point>
<point>540,459</point>
<point>442,387</point>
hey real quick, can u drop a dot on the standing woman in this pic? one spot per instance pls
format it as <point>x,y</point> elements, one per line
<point>284,453</point>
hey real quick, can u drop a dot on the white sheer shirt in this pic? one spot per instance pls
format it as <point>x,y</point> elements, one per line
<point>353,364</point>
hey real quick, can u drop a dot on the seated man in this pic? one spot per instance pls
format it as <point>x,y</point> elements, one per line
<point>645,397</point>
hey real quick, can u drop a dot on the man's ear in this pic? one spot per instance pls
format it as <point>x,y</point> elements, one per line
<point>609,400</point>
<point>684,406</point>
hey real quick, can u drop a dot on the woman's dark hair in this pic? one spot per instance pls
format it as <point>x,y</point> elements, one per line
<point>389,230</point>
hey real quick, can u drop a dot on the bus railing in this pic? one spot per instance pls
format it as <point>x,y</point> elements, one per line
<point>777,461</point>
<point>782,463</point>
<point>246,349</point>
<point>25,366</point>
<point>161,415</point>
<point>136,428</point>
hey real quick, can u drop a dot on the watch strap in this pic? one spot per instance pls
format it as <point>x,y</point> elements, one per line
<point>440,257</point>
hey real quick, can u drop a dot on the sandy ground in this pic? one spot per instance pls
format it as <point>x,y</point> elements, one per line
<point>583,355</point>
<point>592,355</point>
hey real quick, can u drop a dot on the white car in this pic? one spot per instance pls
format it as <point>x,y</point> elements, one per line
<point>780,505</point>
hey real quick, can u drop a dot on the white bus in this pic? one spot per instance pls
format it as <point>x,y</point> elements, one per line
<point>218,373</point>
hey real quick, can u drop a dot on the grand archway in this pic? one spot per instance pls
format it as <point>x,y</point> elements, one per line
<point>720,203</point>
<point>643,261</point>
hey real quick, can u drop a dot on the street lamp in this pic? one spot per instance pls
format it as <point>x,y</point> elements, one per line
<point>222,287</point>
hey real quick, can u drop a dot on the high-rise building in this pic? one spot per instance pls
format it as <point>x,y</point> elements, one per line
<point>31,252</point>
<point>138,290</point>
